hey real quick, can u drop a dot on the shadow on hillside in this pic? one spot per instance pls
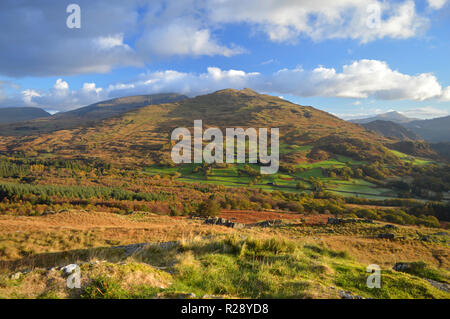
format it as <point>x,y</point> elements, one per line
<point>59,259</point>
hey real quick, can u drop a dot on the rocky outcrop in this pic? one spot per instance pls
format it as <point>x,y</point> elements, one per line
<point>336,221</point>
<point>386,236</point>
<point>223,222</point>
<point>269,223</point>
<point>439,285</point>
<point>402,266</point>
<point>389,226</point>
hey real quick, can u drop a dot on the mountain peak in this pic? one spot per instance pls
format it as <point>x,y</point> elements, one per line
<point>392,116</point>
<point>245,91</point>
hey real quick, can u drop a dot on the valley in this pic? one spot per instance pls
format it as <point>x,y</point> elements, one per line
<point>104,194</point>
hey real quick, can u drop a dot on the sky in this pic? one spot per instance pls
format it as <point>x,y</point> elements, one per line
<point>352,58</point>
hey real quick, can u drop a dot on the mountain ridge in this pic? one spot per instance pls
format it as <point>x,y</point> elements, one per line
<point>9,115</point>
<point>391,129</point>
<point>392,116</point>
<point>87,115</point>
<point>142,135</point>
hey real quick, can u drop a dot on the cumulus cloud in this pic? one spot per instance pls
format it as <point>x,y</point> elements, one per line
<point>426,112</point>
<point>182,38</point>
<point>61,98</point>
<point>436,4</point>
<point>285,20</point>
<point>186,83</point>
<point>358,80</point>
<point>36,41</point>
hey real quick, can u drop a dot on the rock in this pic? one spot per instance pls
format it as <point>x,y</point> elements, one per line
<point>269,223</point>
<point>223,222</point>
<point>442,234</point>
<point>182,295</point>
<point>386,236</point>
<point>212,297</point>
<point>334,221</point>
<point>439,285</point>
<point>401,266</point>
<point>69,269</point>
<point>349,295</point>
<point>16,276</point>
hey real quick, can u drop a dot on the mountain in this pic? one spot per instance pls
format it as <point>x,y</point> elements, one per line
<point>434,130</point>
<point>88,115</point>
<point>442,148</point>
<point>19,114</point>
<point>391,130</point>
<point>142,136</point>
<point>393,116</point>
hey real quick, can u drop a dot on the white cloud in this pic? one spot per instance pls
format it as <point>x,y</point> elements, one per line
<point>132,33</point>
<point>446,94</point>
<point>61,98</point>
<point>28,97</point>
<point>285,20</point>
<point>186,83</point>
<point>361,79</point>
<point>436,4</point>
<point>182,38</point>
<point>110,42</point>
<point>426,112</point>
<point>61,85</point>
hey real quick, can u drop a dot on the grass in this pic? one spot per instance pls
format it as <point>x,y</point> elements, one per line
<point>229,177</point>
<point>411,159</point>
<point>231,266</point>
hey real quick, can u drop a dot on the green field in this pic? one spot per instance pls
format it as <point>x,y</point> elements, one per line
<point>411,159</point>
<point>229,176</point>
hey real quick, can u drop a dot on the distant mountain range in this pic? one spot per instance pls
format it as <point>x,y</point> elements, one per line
<point>20,114</point>
<point>434,130</point>
<point>402,127</point>
<point>393,116</point>
<point>84,116</point>
<point>391,129</point>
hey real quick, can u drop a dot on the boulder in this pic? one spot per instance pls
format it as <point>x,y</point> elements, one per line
<point>223,222</point>
<point>16,276</point>
<point>401,266</point>
<point>386,236</point>
<point>69,269</point>
<point>334,221</point>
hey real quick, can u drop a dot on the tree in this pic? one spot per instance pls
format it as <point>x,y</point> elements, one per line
<point>208,208</point>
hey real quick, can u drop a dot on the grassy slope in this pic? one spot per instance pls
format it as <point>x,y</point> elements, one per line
<point>285,262</point>
<point>142,135</point>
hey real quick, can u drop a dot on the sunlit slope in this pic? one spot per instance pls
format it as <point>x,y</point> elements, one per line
<point>143,135</point>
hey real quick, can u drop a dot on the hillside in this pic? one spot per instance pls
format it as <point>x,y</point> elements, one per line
<point>142,135</point>
<point>20,114</point>
<point>433,130</point>
<point>393,116</point>
<point>88,115</point>
<point>391,129</point>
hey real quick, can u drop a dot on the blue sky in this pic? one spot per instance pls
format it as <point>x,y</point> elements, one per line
<point>352,58</point>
